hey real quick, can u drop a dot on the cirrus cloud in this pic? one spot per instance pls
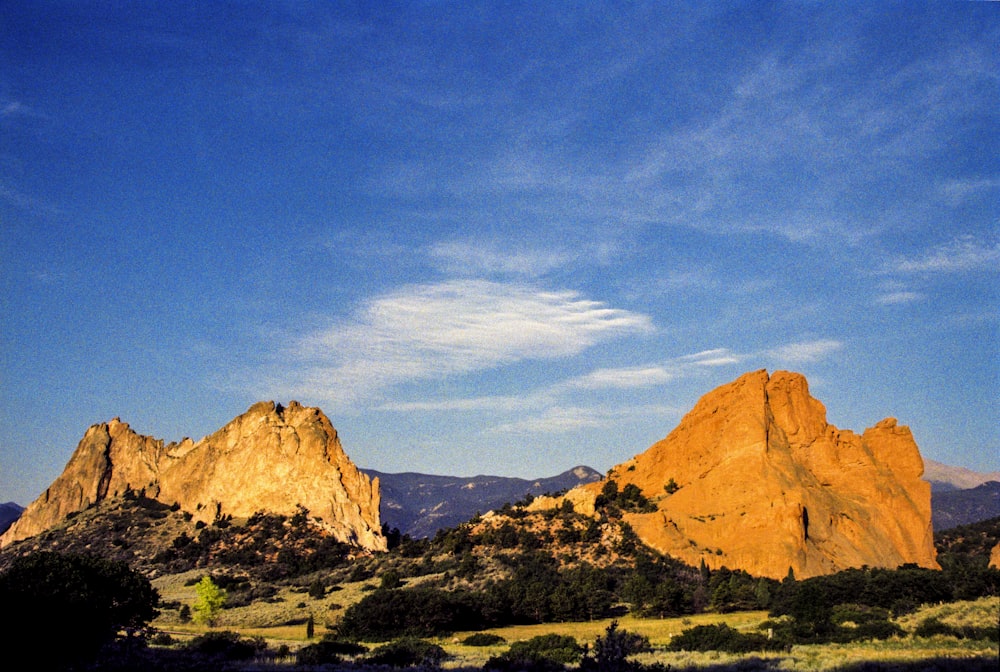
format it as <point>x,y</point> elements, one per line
<point>436,330</point>
<point>963,253</point>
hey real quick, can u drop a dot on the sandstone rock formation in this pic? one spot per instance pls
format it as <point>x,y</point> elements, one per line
<point>995,557</point>
<point>271,458</point>
<point>766,484</point>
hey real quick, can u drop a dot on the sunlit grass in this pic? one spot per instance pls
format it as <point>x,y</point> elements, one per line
<point>271,621</point>
<point>981,613</point>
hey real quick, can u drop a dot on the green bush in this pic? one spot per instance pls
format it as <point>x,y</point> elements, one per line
<point>611,651</point>
<point>483,639</point>
<point>227,645</point>
<point>721,637</point>
<point>544,653</point>
<point>408,652</point>
<point>317,590</point>
<point>409,612</point>
<point>929,627</point>
<point>329,650</point>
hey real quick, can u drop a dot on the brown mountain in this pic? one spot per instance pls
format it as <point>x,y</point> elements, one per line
<point>271,458</point>
<point>754,478</point>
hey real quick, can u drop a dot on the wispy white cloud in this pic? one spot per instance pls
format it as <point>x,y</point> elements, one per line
<point>467,258</point>
<point>622,378</point>
<point>554,420</point>
<point>429,331</point>
<point>898,297</point>
<point>714,357</point>
<point>28,203</point>
<point>566,419</point>
<point>964,253</point>
<point>484,403</point>
<point>805,351</point>
<point>959,190</point>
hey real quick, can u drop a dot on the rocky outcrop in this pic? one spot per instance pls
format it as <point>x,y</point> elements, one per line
<point>271,458</point>
<point>760,481</point>
<point>995,557</point>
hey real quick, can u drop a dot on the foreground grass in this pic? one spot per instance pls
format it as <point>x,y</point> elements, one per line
<point>283,622</point>
<point>981,613</point>
<point>818,657</point>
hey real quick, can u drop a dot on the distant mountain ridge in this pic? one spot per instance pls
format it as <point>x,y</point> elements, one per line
<point>9,512</point>
<point>944,477</point>
<point>421,504</point>
<point>952,508</point>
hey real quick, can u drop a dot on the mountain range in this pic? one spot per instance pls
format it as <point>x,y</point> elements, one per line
<point>422,504</point>
<point>944,477</point>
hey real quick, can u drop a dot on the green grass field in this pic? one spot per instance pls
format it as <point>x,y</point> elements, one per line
<point>271,621</point>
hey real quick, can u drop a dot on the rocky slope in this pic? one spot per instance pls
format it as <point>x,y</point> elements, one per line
<point>755,478</point>
<point>422,504</point>
<point>271,458</point>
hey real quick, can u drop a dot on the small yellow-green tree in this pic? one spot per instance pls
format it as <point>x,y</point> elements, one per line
<point>211,598</point>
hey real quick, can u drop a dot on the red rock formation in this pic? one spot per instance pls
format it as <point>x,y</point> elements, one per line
<point>766,484</point>
<point>268,459</point>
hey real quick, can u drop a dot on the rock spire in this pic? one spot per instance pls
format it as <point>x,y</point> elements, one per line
<point>271,458</point>
<point>760,481</point>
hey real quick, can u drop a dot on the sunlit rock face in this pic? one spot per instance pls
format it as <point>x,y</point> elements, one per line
<point>765,484</point>
<point>271,458</point>
<point>995,557</point>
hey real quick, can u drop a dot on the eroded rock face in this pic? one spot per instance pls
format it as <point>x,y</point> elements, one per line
<point>268,459</point>
<point>766,484</point>
<point>995,557</point>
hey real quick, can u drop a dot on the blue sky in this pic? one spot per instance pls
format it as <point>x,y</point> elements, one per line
<point>492,237</point>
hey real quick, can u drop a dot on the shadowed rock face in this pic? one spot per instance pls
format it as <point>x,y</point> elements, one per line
<point>270,458</point>
<point>766,484</point>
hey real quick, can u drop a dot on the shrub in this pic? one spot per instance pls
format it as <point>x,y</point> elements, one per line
<point>409,612</point>
<point>408,652</point>
<point>612,650</point>
<point>317,590</point>
<point>329,650</point>
<point>721,637</point>
<point>483,639</point>
<point>539,654</point>
<point>929,627</point>
<point>390,580</point>
<point>227,645</point>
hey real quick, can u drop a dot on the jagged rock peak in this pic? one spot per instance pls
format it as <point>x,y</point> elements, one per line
<point>271,458</point>
<point>760,481</point>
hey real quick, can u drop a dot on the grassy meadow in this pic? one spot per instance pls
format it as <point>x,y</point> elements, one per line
<point>282,621</point>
